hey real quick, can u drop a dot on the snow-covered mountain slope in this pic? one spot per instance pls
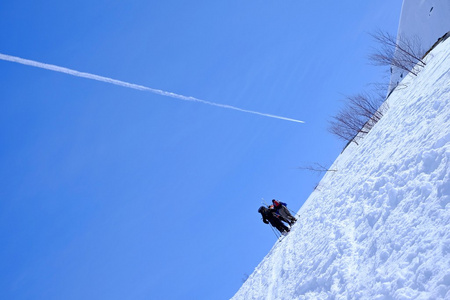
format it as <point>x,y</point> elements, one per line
<point>379,227</point>
<point>426,20</point>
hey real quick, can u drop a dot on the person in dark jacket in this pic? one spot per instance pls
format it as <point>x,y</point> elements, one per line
<point>285,215</point>
<point>269,216</point>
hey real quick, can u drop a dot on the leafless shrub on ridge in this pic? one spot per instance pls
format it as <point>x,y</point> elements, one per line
<point>403,52</point>
<point>316,168</point>
<point>360,113</point>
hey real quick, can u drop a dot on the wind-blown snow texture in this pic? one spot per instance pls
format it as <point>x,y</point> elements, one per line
<point>426,20</point>
<point>379,227</point>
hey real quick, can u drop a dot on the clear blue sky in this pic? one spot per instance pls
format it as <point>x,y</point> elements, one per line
<point>112,193</point>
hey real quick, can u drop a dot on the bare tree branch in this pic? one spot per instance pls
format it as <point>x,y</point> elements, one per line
<point>316,167</point>
<point>356,119</point>
<point>403,52</point>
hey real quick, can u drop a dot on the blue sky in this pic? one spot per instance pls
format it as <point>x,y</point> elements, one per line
<point>112,193</point>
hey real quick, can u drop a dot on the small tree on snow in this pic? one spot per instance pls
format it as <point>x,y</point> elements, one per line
<point>317,168</point>
<point>360,113</point>
<point>403,52</point>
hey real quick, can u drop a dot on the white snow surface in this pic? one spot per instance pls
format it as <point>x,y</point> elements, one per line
<point>379,227</point>
<point>426,20</point>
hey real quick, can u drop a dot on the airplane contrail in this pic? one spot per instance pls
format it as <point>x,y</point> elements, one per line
<point>130,85</point>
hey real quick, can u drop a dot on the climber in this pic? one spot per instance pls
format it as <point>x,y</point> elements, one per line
<point>285,215</point>
<point>268,216</point>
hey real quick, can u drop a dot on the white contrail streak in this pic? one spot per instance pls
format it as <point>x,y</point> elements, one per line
<point>130,85</point>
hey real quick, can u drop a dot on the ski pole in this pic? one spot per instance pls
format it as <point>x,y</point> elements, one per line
<point>293,212</point>
<point>264,202</point>
<point>278,236</point>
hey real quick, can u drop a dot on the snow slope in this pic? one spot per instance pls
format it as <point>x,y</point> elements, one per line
<point>379,227</point>
<point>426,19</point>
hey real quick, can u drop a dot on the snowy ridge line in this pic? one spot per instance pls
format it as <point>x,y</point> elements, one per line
<point>426,20</point>
<point>72,72</point>
<point>440,40</point>
<point>379,228</point>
